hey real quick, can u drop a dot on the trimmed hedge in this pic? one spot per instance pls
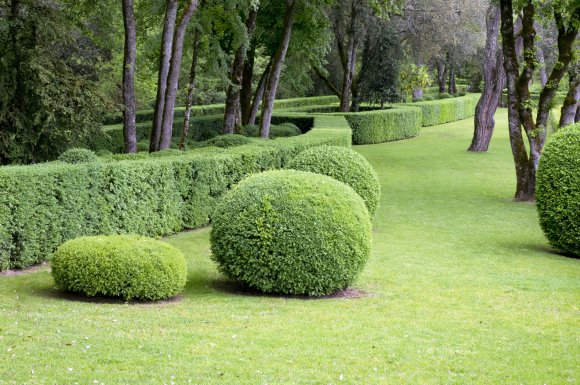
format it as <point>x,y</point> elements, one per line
<point>558,189</point>
<point>291,232</point>
<point>384,125</point>
<point>126,266</point>
<point>219,109</point>
<point>42,206</point>
<point>447,110</point>
<point>345,165</point>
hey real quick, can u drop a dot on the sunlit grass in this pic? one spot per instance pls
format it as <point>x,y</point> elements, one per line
<point>462,289</point>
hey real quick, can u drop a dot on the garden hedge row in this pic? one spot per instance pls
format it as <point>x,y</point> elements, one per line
<point>447,110</point>
<point>218,109</point>
<point>42,206</point>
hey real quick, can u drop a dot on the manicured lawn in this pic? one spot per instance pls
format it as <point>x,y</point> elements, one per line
<point>462,285</point>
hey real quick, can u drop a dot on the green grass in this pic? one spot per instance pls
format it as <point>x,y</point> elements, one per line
<point>463,290</point>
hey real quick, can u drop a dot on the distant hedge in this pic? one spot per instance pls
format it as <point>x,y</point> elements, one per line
<point>442,111</point>
<point>218,109</point>
<point>42,206</point>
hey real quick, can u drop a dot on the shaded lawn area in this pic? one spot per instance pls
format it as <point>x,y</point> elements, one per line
<point>462,285</point>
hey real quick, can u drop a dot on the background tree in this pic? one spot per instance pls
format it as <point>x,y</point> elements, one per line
<point>129,103</point>
<point>571,105</point>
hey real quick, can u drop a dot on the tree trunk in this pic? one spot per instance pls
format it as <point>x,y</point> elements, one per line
<point>417,93</point>
<point>443,78</point>
<point>173,76</point>
<point>232,108</point>
<point>355,102</point>
<point>571,104</point>
<point>452,83</point>
<point>542,67</point>
<point>164,58</point>
<point>493,84</point>
<point>129,110</point>
<point>525,179</point>
<point>259,94</point>
<point>577,118</point>
<point>276,70</point>
<point>348,76</point>
<point>190,89</point>
<point>246,91</point>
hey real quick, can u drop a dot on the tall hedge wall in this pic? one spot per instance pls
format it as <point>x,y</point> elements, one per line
<point>42,206</point>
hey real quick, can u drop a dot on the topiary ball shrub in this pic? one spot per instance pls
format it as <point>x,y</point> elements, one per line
<point>291,232</point>
<point>226,141</point>
<point>127,266</point>
<point>78,155</point>
<point>345,165</point>
<point>558,189</point>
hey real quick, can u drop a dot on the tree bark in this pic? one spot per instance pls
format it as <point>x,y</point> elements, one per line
<point>259,94</point>
<point>164,59</point>
<point>190,89</point>
<point>577,118</point>
<point>173,76</point>
<point>542,68</point>
<point>276,70</point>
<point>129,110</point>
<point>232,108</point>
<point>452,83</point>
<point>246,91</point>
<point>350,63</point>
<point>571,103</point>
<point>493,84</point>
<point>441,75</point>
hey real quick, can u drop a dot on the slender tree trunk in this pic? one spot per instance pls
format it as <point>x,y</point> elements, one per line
<point>571,103</point>
<point>441,75</point>
<point>493,84</point>
<point>355,102</point>
<point>452,83</point>
<point>232,108</point>
<point>259,94</point>
<point>173,76</point>
<point>190,89</point>
<point>348,76</point>
<point>276,71</point>
<point>164,58</point>
<point>246,91</point>
<point>577,117</point>
<point>129,110</point>
<point>443,79</point>
<point>542,68</point>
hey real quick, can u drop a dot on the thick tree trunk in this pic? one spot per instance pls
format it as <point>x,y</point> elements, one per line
<point>441,75</point>
<point>276,71</point>
<point>246,91</point>
<point>232,108</point>
<point>173,76</point>
<point>571,103</point>
<point>493,84</point>
<point>452,83</point>
<point>525,177</point>
<point>190,89</point>
<point>259,94</point>
<point>164,58</point>
<point>129,110</point>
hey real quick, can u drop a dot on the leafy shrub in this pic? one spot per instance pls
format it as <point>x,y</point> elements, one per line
<point>384,125</point>
<point>127,266</point>
<point>104,153</point>
<point>558,189</point>
<point>291,232</point>
<point>78,155</point>
<point>143,145</point>
<point>445,95</point>
<point>345,165</point>
<point>166,153</point>
<point>284,130</point>
<point>225,141</point>
<point>42,206</point>
<point>427,98</point>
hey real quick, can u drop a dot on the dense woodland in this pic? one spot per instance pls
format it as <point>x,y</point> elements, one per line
<point>67,65</point>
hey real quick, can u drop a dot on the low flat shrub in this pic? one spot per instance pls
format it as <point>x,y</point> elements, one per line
<point>384,125</point>
<point>558,189</point>
<point>78,155</point>
<point>345,165</point>
<point>445,95</point>
<point>291,232</point>
<point>126,266</point>
<point>226,141</point>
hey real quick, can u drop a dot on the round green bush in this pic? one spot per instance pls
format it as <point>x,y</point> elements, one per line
<point>78,155</point>
<point>226,141</point>
<point>127,266</point>
<point>558,189</point>
<point>291,232</point>
<point>284,130</point>
<point>345,165</point>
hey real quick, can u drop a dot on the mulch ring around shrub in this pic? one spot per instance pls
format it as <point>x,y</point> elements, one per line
<point>237,288</point>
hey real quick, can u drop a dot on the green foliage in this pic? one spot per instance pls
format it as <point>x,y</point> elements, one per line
<point>78,155</point>
<point>444,95</point>
<point>226,141</point>
<point>447,110</point>
<point>345,165</point>
<point>126,266</point>
<point>291,232</point>
<point>413,77</point>
<point>384,125</point>
<point>558,189</point>
<point>284,130</point>
<point>42,206</point>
